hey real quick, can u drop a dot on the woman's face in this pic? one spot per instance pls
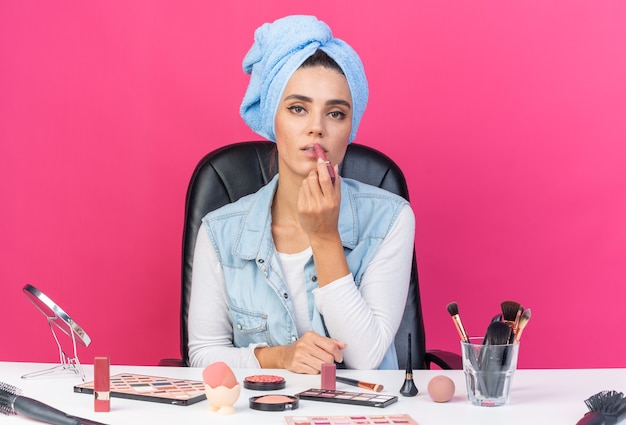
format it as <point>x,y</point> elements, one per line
<point>316,107</point>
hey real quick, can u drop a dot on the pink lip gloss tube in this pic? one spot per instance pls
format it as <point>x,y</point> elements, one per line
<point>319,150</point>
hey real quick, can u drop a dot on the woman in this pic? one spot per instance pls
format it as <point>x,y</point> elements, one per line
<point>305,271</point>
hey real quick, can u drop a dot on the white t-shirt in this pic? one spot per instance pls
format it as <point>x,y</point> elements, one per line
<point>292,266</point>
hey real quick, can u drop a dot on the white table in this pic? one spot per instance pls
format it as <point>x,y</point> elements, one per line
<point>549,397</point>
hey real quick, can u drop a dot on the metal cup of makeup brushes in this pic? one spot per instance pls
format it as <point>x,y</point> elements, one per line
<point>489,370</point>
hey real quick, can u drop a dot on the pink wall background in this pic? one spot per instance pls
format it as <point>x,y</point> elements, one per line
<point>509,119</point>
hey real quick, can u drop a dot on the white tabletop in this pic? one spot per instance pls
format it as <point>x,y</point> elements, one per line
<point>537,396</point>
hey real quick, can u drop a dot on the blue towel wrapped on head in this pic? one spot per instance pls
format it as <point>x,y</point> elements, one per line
<point>278,51</point>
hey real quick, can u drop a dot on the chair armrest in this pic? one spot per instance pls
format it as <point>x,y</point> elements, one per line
<point>172,363</point>
<point>443,359</point>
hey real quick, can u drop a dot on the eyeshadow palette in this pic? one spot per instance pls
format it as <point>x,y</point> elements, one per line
<point>347,397</point>
<point>182,392</point>
<point>397,419</point>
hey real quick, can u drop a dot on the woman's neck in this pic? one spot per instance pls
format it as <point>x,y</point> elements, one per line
<point>287,232</point>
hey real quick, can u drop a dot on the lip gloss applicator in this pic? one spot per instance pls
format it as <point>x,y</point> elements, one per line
<point>319,150</point>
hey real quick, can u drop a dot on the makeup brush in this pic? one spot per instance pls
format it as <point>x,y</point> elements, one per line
<point>605,408</point>
<point>496,318</point>
<point>492,359</point>
<point>510,311</point>
<point>361,384</point>
<point>497,333</point>
<point>523,321</point>
<point>408,388</point>
<point>453,309</point>
<point>518,316</point>
<point>13,403</point>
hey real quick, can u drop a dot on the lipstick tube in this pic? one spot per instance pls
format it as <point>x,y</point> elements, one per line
<point>329,373</point>
<point>319,150</point>
<point>101,385</point>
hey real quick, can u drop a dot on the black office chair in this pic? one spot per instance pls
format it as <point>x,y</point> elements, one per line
<point>228,173</point>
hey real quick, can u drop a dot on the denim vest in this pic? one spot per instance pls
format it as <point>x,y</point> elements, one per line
<point>259,304</point>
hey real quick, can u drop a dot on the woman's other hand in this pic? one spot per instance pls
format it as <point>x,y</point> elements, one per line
<point>306,355</point>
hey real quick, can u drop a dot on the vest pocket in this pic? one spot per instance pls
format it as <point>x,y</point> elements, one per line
<point>248,327</point>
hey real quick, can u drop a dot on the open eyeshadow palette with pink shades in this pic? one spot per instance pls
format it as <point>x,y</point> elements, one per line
<point>351,420</point>
<point>182,392</point>
<point>348,397</point>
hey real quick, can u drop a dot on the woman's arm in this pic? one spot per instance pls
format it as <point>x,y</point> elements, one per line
<point>367,318</point>
<point>210,328</point>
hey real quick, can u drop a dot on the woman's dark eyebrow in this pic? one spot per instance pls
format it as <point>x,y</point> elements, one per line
<point>309,100</point>
<point>299,97</point>
<point>339,102</point>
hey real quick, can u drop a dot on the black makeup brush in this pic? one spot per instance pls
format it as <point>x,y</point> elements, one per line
<point>493,357</point>
<point>605,408</point>
<point>13,403</point>
<point>496,318</point>
<point>408,388</point>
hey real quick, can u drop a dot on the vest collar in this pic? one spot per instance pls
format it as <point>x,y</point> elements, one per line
<point>255,231</point>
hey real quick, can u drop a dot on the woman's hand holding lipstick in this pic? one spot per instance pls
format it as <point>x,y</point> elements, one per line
<point>318,201</point>
<point>318,205</point>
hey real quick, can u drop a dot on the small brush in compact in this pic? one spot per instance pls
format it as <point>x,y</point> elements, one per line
<point>605,408</point>
<point>319,150</point>
<point>408,388</point>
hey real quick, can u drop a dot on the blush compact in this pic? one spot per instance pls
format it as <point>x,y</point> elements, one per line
<point>264,382</point>
<point>274,402</point>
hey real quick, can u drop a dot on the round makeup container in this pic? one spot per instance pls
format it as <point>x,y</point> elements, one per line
<point>264,382</point>
<point>274,402</point>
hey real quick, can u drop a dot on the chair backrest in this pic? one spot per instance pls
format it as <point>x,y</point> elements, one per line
<point>228,173</point>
